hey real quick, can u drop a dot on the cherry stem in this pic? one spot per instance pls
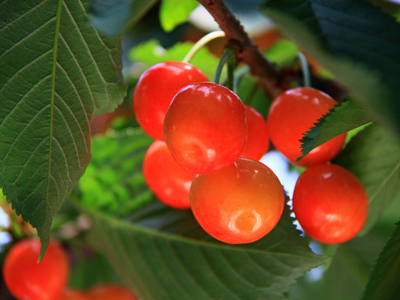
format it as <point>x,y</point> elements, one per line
<point>305,70</point>
<point>226,55</point>
<point>231,67</point>
<point>240,72</point>
<point>200,43</point>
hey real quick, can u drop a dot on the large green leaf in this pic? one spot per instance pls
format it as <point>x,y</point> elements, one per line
<point>114,16</point>
<point>163,253</point>
<point>384,280</point>
<point>56,71</point>
<point>373,155</point>
<point>175,12</point>
<point>346,116</point>
<point>354,40</point>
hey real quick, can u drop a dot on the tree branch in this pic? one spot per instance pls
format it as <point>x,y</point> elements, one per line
<point>272,80</point>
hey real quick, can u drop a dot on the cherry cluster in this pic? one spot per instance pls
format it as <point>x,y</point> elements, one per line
<point>27,279</point>
<point>207,151</point>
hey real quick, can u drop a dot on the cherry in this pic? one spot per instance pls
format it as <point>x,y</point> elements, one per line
<point>155,90</point>
<point>257,135</point>
<point>330,203</point>
<point>28,279</point>
<point>165,177</point>
<point>71,294</point>
<point>239,204</point>
<point>205,127</point>
<point>110,291</point>
<point>291,115</point>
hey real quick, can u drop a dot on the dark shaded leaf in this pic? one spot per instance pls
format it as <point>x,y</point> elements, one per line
<point>373,155</point>
<point>384,280</point>
<point>56,71</point>
<point>112,17</point>
<point>354,40</point>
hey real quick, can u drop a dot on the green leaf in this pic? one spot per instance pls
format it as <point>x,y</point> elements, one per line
<point>151,53</point>
<point>384,280</point>
<point>115,16</point>
<point>90,269</point>
<point>283,52</point>
<point>56,71</point>
<point>344,117</point>
<point>373,155</point>
<point>175,12</point>
<point>354,40</point>
<point>164,254</point>
<point>113,181</point>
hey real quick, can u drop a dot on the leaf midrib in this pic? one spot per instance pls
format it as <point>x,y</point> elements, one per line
<point>116,222</point>
<point>53,87</point>
<point>383,183</point>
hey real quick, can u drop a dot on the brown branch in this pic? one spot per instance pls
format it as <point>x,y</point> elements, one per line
<point>271,78</point>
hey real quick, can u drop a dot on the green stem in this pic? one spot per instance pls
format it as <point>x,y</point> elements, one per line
<point>240,72</point>
<point>224,58</point>
<point>231,67</point>
<point>200,43</point>
<point>305,69</point>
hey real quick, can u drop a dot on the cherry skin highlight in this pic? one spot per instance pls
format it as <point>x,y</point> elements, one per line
<point>330,203</point>
<point>240,204</point>
<point>166,178</point>
<point>205,127</point>
<point>27,279</point>
<point>292,114</point>
<point>155,90</point>
<point>110,291</point>
<point>257,135</point>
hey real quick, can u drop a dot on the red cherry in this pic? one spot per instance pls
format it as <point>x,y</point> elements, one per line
<point>165,177</point>
<point>240,204</point>
<point>155,90</point>
<point>205,127</point>
<point>291,115</point>
<point>28,280</point>
<point>110,291</point>
<point>257,135</point>
<point>330,203</point>
<point>71,294</point>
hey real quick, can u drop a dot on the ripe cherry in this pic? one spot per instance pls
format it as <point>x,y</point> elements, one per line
<point>205,127</point>
<point>291,115</point>
<point>28,279</point>
<point>330,203</point>
<point>239,204</point>
<point>71,294</point>
<point>110,291</point>
<point>257,135</point>
<point>165,177</point>
<point>155,90</point>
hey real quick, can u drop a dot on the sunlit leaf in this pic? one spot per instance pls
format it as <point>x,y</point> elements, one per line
<point>151,52</point>
<point>175,12</point>
<point>344,117</point>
